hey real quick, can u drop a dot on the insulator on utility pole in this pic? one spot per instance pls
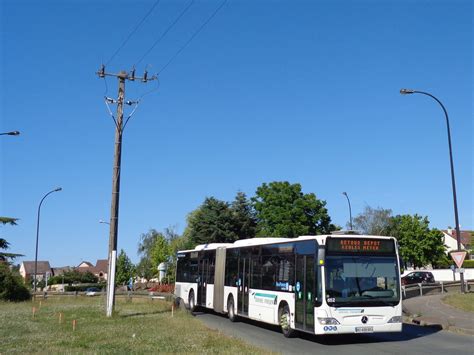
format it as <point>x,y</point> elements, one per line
<point>101,72</point>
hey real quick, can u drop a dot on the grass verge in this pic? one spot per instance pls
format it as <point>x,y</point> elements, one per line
<point>464,301</point>
<point>138,326</point>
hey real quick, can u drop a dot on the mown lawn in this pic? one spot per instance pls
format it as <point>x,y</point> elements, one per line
<point>140,326</point>
<point>461,301</point>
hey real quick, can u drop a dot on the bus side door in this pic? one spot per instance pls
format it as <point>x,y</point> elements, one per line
<point>203,279</point>
<point>305,285</point>
<point>244,283</point>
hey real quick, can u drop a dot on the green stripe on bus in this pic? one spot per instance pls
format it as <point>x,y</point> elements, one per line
<point>265,295</point>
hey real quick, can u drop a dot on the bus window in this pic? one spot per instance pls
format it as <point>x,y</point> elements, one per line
<point>231,267</point>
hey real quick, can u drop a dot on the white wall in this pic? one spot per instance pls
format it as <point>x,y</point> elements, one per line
<point>447,274</point>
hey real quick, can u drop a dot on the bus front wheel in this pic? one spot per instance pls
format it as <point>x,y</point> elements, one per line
<point>285,320</point>
<point>191,301</point>
<point>231,309</point>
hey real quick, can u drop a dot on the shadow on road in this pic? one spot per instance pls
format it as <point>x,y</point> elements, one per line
<point>409,332</point>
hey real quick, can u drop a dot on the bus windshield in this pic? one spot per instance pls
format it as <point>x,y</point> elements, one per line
<point>358,280</point>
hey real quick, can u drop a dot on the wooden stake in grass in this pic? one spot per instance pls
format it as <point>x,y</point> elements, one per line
<point>60,317</point>
<point>74,323</point>
<point>40,305</point>
<point>172,309</point>
<point>34,312</point>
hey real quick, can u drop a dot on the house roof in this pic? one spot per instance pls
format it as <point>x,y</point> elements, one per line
<point>102,265</point>
<point>61,270</point>
<point>85,264</point>
<point>42,267</point>
<point>466,236</point>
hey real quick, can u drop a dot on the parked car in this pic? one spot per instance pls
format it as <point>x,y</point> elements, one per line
<point>92,291</point>
<point>418,277</point>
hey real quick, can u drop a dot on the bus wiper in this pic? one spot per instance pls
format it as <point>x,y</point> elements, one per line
<point>379,300</point>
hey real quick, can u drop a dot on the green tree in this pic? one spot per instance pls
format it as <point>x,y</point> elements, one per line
<point>283,210</point>
<point>12,287</point>
<point>4,245</point>
<point>419,244</point>
<point>153,250</point>
<point>212,222</point>
<point>125,269</point>
<point>243,215</point>
<point>373,221</point>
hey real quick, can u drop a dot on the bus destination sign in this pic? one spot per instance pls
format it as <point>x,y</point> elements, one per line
<point>360,245</point>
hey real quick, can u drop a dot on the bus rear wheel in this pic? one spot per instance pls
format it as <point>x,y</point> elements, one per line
<point>285,320</point>
<point>231,309</point>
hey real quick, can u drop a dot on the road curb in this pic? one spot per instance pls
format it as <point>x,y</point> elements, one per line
<point>451,328</point>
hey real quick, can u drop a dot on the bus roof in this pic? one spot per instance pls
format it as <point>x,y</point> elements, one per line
<point>260,241</point>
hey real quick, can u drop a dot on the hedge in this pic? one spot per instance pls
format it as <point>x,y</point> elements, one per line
<point>82,287</point>
<point>468,264</point>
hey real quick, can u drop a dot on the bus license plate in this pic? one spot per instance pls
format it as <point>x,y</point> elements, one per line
<point>364,329</point>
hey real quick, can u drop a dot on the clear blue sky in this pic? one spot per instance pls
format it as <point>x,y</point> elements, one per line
<point>304,91</point>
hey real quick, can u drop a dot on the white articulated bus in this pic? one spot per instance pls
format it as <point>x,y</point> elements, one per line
<point>327,284</point>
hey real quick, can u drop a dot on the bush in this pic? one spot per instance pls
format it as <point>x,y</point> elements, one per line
<point>11,285</point>
<point>468,264</point>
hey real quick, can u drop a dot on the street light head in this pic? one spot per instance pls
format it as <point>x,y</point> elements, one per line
<point>12,133</point>
<point>407,91</point>
<point>58,189</point>
<point>344,193</point>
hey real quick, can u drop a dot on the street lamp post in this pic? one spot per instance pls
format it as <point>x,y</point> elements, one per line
<point>37,233</point>
<point>12,133</point>
<point>453,182</point>
<point>350,210</point>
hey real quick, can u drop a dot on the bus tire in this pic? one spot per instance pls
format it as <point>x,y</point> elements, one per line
<point>191,301</point>
<point>231,309</point>
<point>179,303</point>
<point>285,322</point>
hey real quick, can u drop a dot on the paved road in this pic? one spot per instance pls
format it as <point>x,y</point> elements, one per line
<point>413,339</point>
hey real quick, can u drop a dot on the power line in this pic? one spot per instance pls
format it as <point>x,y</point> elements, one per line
<point>165,32</point>
<point>133,31</point>
<point>193,36</point>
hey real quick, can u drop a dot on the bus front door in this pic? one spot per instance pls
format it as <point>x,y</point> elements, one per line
<point>304,292</point>
<point>202,283</point>
<point>244,281</point>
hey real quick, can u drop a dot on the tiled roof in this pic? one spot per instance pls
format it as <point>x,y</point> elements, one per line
<point>466,236</point>
<point>85,262</point>
<point>42,267</point>
<point>61,270</point>
<point>102,265</point>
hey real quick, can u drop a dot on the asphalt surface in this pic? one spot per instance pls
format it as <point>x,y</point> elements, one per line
<point>413,340</point>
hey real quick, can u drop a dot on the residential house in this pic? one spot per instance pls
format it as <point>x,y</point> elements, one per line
<point>100,269</point>
<point>451,243</point>
<point>27,270</point>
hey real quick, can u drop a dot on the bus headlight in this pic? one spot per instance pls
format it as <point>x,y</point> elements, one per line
<point>328,321</point>
<point>396,319</point>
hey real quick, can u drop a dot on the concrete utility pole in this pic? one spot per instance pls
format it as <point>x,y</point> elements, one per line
<point>114,209</point>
